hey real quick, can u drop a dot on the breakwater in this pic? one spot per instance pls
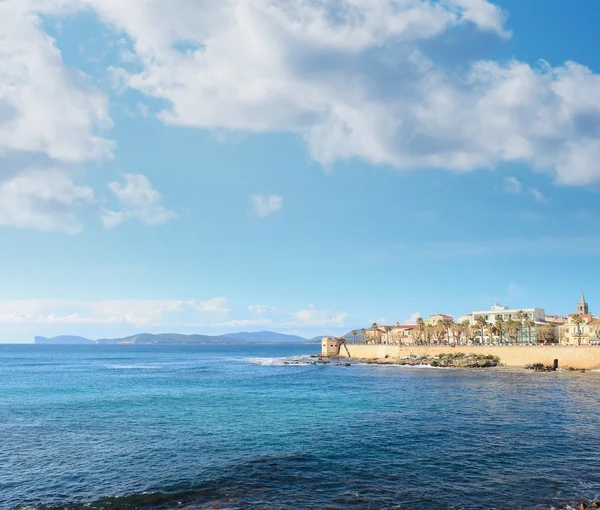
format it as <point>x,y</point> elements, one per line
<point>584,358</point>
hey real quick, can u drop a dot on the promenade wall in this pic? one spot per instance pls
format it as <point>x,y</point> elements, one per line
<point>584,357</point>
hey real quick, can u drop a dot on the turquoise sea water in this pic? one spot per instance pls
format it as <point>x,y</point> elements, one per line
<point>234,427</point>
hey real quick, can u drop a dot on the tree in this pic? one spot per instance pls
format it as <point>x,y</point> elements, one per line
<point>513,330</point>
<point>596,330</point>
<point>545,334</point>
<point>415,336</point>
<point>471,332</point>
<point>495,329</point>
<point>388,330</point>
<point>458,330</point>
<point>353,333</point>
<point>428,333</point>
<point>529,323</point>
<point>578,321</point>
<point>500,328</point>
<point>561,334</point>
<point>447,325</point>
<point>482,324</point>
<point>520,315</point>
<point>438,331</point>
<point>363,335</point>
<point>421,324</point>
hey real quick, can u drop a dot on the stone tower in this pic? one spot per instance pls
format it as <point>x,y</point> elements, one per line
<point>582,306</point>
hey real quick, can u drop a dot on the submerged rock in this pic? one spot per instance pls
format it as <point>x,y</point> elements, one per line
<point>540,367</point>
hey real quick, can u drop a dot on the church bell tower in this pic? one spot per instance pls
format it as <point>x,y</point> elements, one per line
<point>582,306</point>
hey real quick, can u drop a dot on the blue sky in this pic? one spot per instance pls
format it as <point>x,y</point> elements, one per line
<point>294,166</point>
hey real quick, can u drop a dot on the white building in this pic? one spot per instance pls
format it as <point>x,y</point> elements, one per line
<point>497,311</point>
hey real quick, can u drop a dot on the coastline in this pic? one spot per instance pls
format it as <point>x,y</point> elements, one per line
<point>576,357</point>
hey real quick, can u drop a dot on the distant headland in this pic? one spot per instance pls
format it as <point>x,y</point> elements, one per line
<point>177,338</point>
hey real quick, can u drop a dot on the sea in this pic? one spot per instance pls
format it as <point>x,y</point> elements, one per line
<point>261,427</point>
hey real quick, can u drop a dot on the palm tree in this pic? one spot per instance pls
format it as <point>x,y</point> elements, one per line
<point>495,329</point>
<point>447,324</point>
<point>513,329</point>
<point>353,333</point>
<point>375,332</point>
<point>482,323</point>
<point>421,324</point>
<point>578,321</point>
<point>519,316</point>
<point>529,323</point>
<point>363,335</point>
<point>500,327</point>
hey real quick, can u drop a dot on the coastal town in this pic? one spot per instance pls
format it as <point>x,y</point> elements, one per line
<point>500,325</point>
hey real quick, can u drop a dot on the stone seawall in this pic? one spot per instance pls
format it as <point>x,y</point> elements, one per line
<point>587,358</point>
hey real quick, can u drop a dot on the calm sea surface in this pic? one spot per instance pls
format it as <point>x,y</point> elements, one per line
<point>233,427</point>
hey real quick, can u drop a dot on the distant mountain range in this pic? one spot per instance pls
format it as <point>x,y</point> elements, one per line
<point>176,338</point>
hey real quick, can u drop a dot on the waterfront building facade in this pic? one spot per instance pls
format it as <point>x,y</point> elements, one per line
<point>581,328</point>
<point>503,312</point>
<point>435,319</point>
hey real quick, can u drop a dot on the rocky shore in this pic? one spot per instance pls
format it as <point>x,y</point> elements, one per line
<point>453,360</point>
<point>583,505</point>
<point>540,367</point>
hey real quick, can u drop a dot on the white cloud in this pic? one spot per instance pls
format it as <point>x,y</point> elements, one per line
<point>45,107</point>
<point>139,313</point>
<point>44,199</point>
<point>50,117</point>
<point>512,185</point>
<point>244,323</point>
<point>538,196</point>
<point>355,79</point>
<point>313,317</point>
<point>264,205</point>
<point>413,318</point>
<point>219,305</point>
<point>262,309</point>
<point>139,200</point>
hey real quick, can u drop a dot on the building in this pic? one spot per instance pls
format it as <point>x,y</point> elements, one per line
<point>391,334</point>
<point>435,319</point>
<point>581,328</point>
<point>582,306</point>
<point>556,320</point>
<point>498,311</point>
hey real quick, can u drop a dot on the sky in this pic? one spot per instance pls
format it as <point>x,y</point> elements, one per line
<point>303,166</point>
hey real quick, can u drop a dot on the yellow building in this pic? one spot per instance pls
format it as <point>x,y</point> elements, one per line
<point>581,328</point>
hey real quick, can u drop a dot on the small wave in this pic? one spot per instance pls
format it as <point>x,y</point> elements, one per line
<point>279,362</point>
<point>134,367</point>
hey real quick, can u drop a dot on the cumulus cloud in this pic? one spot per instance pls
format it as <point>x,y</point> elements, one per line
<point>316,317</point>
<point>44,199</point>
<point>139,313</point>
<point>219,305</point>
<point>264,205</point>
<point>51,117</point>
<point>413,318</point>
<point>45,107</point>
<point>357,78</point>
<point>139,200</point>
